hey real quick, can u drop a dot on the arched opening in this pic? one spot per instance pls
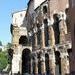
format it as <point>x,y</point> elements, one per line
<point>56,28</point>
<point>10,55</point>
<point>47,64</point>
<point>46,32</point>
<point>44,9</point>
<point>26,61</point>
<point>58,63</point>
<point>38,35</point>
<point>39,64</point>
<point>23,40</point>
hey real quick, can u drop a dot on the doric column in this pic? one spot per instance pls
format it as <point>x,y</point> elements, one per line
<point>64,64</point>
<point>35,36</point>
<point>52,63</point>
<point>43,68</point>
<point>42,37</point>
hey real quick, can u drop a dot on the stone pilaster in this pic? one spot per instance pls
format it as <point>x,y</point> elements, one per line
<point>42,37</point>
<point>51,36</point>
<point>36,67</point>
<point>31,67</point>
<point>62,28</point>
<point>52,64</point>
<point>15,37</point>
<point>35,64</point>
<point>35,36</point>
<point>20,66</point>
<point>43,68</point>
<point>64,64</point>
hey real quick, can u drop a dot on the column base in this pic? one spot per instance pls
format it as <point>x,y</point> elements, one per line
<point>43,74</point>
<point>72,73</point>
<point>35,73</point>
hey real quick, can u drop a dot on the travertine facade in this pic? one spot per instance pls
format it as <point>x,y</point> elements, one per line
<point>48,35</point>
<point>19,40</point>
<point>72,23</point>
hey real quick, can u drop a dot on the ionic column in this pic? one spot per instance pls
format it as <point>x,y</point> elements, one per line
<point>51,36</point>
<point>43,68</point>
<point>64,64</point>
<point>36,67</point>
<point>52,64</point>
<point>42,37</point>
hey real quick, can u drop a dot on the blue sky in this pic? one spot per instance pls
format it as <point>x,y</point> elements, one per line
<point>7,7</point>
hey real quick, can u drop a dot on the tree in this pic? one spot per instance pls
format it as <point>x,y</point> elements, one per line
<point>3,60</point>
<point>9,45</point>
<point>0,46</point>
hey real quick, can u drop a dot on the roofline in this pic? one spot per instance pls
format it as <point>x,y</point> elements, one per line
<point>40,4</point>
<point>29,2</point>
<point>18,11</point>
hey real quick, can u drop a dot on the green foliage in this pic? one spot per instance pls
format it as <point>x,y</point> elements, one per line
<point>10,55</point>
<point>3,60</point>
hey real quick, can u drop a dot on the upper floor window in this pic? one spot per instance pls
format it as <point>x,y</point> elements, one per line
<point>45,21</point>
<point>44,9</point>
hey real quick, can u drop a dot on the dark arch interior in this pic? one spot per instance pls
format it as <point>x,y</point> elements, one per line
<point>26,61</point>
<point>47,64</point>
<point>23,40</point>
<point>68,22</point>
<point>58,61</point>
<point>46,32</point>
<point>39,64</point>
<point>56,28</point>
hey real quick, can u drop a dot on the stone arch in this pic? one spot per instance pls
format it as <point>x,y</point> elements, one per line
<point>47,63</point>
<point>58,62</point>
<point>56,28</point>
<point>23,40</point>
<point>26,61</point>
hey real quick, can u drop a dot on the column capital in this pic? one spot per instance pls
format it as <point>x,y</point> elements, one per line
<point>50,21</point>
<point>42,58</point>
<point>35,29</point>
<point>62,16</point>
<point>30,33</point>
